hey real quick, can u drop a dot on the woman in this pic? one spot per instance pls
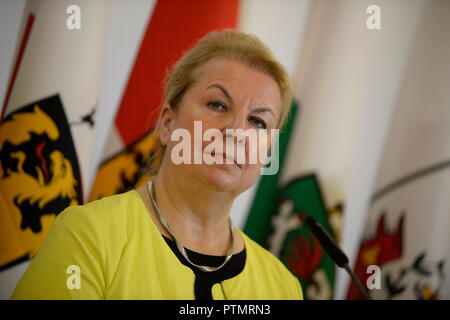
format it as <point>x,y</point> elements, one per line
<point>173,238</point>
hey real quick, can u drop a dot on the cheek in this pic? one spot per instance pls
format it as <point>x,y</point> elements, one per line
<point>250,175</point>
<point>194,119</point>
<point>188,136</point>
<point>257,150</point>
<point>186,120</point>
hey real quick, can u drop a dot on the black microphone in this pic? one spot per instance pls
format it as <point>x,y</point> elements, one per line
<point>335,252</point>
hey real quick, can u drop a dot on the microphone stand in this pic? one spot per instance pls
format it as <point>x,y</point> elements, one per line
<point>357,282</point>
<point>335,252</point>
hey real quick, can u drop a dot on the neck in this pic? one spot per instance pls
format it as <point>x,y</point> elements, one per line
<point>197,215</point>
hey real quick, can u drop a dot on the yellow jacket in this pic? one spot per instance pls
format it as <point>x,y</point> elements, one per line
<point>111,249</point>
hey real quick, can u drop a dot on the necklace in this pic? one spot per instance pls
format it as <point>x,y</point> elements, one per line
<point>180,247</point>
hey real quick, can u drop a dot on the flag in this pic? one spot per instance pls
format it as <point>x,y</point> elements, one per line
<point>406,233</point>
<point>47,122</point>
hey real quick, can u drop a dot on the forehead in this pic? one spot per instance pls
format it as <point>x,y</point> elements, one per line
<point>242,80</point>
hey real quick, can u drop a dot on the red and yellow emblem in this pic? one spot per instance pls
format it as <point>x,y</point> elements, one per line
<point>39,176</point>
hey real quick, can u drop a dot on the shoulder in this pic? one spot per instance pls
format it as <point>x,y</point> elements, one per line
<point>90,237</point>
<point>111,209</point>
<point>267,263</point>
<point>97,231</point>
<point>111,220</point>
<point>114,204</point>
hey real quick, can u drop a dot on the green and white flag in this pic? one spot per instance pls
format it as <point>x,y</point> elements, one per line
<point>275,222</point>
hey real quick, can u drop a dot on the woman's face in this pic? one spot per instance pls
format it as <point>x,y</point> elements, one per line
<point>226,95</point>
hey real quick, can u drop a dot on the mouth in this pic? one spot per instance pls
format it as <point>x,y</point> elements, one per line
<point>225,157</point>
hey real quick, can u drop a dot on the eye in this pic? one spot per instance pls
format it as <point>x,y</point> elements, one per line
<point>217,105</point>
<point>258,122</point>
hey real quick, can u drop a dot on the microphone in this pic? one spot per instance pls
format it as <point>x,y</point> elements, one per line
<point>335,252</point>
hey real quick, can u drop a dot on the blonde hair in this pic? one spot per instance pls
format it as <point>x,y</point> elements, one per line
<point>240,46</point>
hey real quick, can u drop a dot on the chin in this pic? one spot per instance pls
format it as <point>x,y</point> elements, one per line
<point>224,178</point>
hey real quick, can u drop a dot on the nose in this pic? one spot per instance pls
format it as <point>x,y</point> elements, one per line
<point>237,121</point>
<point>238,138</point>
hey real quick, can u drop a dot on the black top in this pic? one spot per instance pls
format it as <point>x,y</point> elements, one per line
<point>204,280</point>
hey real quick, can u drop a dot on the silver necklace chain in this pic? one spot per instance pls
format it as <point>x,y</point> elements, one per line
<point>179,245</point>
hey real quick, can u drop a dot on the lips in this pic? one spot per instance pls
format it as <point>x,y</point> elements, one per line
<point>225,157</point>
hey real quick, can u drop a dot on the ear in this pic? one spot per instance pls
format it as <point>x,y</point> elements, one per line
<point>166,120</point>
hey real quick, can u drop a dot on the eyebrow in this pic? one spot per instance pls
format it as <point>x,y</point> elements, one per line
<point>228,96</point>
<point>264,109</point>
<point>225,92</point>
